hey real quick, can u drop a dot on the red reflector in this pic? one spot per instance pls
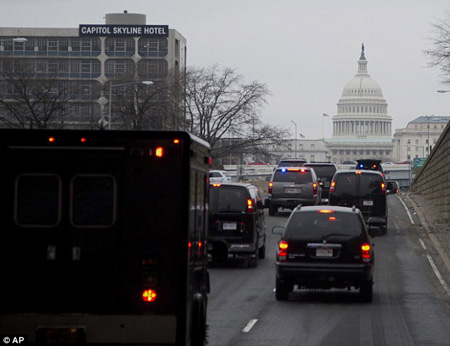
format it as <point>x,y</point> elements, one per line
<point>326,211</point>
<point>51,139</point>
<point>159,152</point>
<point>83,140</point>
<point>149,296</point>
<point>176,141</point>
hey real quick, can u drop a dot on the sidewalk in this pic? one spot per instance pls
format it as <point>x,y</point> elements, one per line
<point>437,228</point>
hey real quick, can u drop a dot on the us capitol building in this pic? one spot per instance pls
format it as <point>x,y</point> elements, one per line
<point>362,127</point>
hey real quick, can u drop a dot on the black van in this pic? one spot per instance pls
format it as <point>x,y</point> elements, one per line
<point>236,222</point>
<point>365,189</point>
<point>370,164</point>
<point>325,172</point>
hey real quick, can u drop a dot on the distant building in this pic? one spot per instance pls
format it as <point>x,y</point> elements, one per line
<point>312,150</point>
<point>91,56</point>
<point>362,127</point>
<point>418,138</point>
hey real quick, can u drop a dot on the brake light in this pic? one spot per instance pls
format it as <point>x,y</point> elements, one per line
<point>282,250</point>
<point>51,139</point>
<point>250,207</point>
<point>216,185</point>
<point>314,189</point>
<point>358,172</point>
<point>383,188</point>
<point>366,252</point>
<point>149,296</point>
<point>176,141</point>
<point>83,140</point>
<point>159,152</point>
<point>332,186</point>
<point>326,211</point>
<point>270,188</point>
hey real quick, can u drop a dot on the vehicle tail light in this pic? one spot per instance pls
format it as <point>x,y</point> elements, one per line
<point>314,189</point>
<point>326,211</point>
<point>383,188</point>
<point>270,188</point>
<point>250,207</point>
<point>332,186</point>
<point>216,185</point>
<point>149,296</point>
<point>366,252</point>
<point>282,250</point>
<point>159,152</point>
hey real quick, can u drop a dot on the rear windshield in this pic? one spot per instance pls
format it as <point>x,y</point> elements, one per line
<point>358,184</point>
<point>313,224</point>
<point>293,176</point>
<point>324,171</point>
<point>227,199</point>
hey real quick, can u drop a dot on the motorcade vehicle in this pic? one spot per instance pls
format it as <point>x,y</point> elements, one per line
<point>324,247</point>
<point>289,162</point>
<point>291,186</point>
<point>325,172</point>
<point>102,236</point>
<point>237,224</point>
<point>218,176</point>
<point>369,164</point>
<point>365,189</point>
<point>392,187</point>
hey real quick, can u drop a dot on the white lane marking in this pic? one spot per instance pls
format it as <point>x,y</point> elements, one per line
<point>407,211</point>
<point>423,244</point>
<point>436,272</point>
<point>249,326</point>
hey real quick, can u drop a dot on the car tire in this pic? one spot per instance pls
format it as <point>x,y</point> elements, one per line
<point>366,291</point>
<point>273,210</point>
<point>282,290</point>
<point>262,250</point>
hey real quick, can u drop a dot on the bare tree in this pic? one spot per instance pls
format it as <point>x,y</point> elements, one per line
<point>30,102</point>
<point>220,105</point>
<point>439,54</point>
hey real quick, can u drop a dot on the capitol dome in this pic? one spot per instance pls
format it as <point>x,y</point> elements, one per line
<point>362,127</point>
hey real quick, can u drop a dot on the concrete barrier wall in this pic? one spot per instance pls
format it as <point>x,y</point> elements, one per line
<point>433,180</point>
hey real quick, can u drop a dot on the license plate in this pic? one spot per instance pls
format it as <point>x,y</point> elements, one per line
<point>292,190</point>
<point>60,335</point>
<point>368,203</point>
<point>229,226</point>
<point>324,252</point>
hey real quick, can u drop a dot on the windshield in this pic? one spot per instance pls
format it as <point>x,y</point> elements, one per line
<point>227,199</point>
<point>293,176</point>
<point>315,224</point>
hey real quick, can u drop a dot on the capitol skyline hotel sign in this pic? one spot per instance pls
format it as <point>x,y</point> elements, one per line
<point>124,30</point>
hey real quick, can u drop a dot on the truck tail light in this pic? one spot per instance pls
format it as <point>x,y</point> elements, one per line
<point>332,186</point>
<point>270,188</point>
<point>282,250</point>
<point>250,207</point>
<point>314,189</point>
<point>366,252</point>
<point>149,296</point>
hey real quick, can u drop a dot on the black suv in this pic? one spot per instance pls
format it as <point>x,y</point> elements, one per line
<point>236,222</point>
<point>370,164</point>
<point>322,248</point>
<point>291,163</point>
<point>364,189</point>
<point>325,172</point>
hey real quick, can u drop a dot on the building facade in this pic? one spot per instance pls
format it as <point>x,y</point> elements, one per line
<point>311,150</point>
<point>362,127</point>
<point>418,138</point>
<point>84,61</point>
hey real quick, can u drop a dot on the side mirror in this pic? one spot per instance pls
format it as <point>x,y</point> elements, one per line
<point>278,230</point>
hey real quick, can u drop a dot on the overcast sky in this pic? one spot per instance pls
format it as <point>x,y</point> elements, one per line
<point>305,51</point>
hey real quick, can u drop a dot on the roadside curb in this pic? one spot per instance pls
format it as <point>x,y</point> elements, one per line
<point>436,238</point>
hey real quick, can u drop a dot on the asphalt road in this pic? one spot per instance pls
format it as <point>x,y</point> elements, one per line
<point>410,305</point>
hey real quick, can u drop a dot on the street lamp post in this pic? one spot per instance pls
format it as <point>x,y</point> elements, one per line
<point>428,131</point>
<point>111,86</point>
<point>295,150</point>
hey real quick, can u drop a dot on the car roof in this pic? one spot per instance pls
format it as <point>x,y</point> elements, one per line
<point>363,171</point>
<point>233,184</point>
<point>327,207</point>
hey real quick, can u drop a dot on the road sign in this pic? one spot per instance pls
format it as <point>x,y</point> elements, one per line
<point>418,161</point>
